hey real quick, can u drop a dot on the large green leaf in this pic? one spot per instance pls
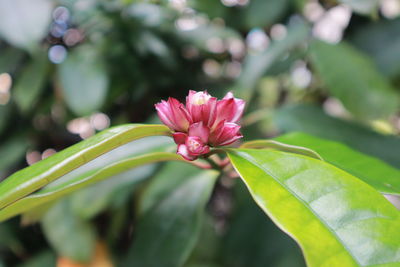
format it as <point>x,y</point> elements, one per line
<point>337,219</point>
<point>42,173</point>
<point>93,176</point>
<point>71,236</point>
<point>84,80</point>
<point>380,175</point>
<point>170,228</point>
<point>352,77</point>
<point>24,23</point>
<point>312,120</point>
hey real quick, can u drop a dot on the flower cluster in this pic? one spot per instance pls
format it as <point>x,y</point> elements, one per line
<point>203,123</point>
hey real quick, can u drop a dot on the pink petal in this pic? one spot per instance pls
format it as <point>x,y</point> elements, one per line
<point>200,130</point>
<point>226,109</point>
<point>178,115</point>
<point>230,108</point>
<point>163,112</point>
<point>184,152</point>
<point>231,140</point>
<point>228,95</point>
<point>179,138</point>
<point>196,147</point>
<point>225,134</point>
<point>211,114</point>
<point>240,104</point>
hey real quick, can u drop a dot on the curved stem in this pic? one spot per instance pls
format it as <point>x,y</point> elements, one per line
<point>201,165</point>
<point>213,164</point>
<point>214,151</point>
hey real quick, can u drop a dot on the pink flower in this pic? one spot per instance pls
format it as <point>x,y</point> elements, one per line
<point>225,133</point>
<point>205,122</point>
<point>202,107</point>
<point>173,114</point>
<point>230,109</point>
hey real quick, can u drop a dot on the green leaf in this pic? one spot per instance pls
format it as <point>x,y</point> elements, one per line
<point>49,194</point>
<point>330,213</point>
<point>381,41</point>
<point>374,172</point>
<point>171,227</point>
<point>365,7</point>
<point>352,77</point>
<point>116,189</point>
<point>272,144</point>
<point>40,174</point>
<point>312,120</point>
<point>24,23</point>
<point>72,237</point>
<point>84,80</point>
<point>257,64</point>
<point>103,192</point>
<point>30,82</point>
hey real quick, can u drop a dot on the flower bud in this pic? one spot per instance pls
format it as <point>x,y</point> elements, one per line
<point>173,114</point>
<point>201,107</point>
<point>225,133</point>
<point>192,148</point>
<point>229,109</point>
<point>203,123</point>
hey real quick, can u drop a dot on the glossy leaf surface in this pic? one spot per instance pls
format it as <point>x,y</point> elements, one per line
<point>272,144</point>
<point>330,213</point>
<point>380,175</point>
<point>42,173</point>
<point>53,193</point>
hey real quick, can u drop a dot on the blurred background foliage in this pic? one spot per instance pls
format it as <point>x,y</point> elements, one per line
<point>69,69</point>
